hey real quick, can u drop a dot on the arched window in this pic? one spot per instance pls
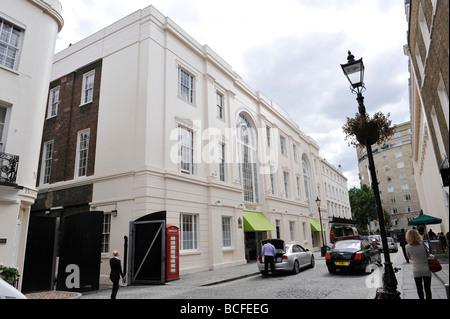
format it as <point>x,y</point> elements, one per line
<point>246,144</point>
<point>307,181</point>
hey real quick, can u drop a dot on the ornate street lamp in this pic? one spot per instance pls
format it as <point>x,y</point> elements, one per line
<point>323,250</point>
<point>354,71</point>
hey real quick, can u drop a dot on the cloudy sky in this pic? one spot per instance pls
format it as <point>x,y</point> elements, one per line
<point>291,51</point>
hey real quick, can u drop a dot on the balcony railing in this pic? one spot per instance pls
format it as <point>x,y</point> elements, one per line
<point>8,169</point>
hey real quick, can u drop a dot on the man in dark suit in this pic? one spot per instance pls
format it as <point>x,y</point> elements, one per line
<point>116,273</point>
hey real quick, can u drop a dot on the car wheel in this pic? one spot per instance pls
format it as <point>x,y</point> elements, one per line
<point>296,269</point>
<point>313,262</point>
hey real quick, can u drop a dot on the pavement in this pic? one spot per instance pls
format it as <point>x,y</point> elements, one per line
<point>406,285</point>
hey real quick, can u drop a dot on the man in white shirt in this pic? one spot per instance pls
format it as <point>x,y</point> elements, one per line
<point>268,252</point>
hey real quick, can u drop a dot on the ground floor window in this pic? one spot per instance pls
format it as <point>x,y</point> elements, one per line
<point>188,232</point>
<point>226,231</point>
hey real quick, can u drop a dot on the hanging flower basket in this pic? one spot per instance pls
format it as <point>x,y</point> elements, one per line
<point>362,129</point>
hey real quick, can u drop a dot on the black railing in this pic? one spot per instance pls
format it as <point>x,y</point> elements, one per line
<point>8,168</point>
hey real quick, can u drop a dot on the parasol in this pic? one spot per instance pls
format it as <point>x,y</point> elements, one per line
<point>424,220</point>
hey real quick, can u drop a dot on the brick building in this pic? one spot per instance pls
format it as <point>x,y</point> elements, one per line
<point>428,52</point>
<point>69,138</point>
<point>394,168</point>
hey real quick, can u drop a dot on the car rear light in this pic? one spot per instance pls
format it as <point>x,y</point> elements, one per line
<point>328,256</point>
<point>357,256</point>
<point>285,257</point>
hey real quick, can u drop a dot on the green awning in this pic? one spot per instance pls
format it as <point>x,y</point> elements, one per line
<point>315,225</point>
<point>254,221</point>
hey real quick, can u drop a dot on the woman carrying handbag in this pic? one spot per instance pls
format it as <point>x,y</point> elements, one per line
<point>418,253</point>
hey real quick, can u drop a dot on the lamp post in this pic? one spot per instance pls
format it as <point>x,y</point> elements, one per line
<point>354,71</point>
<point>323,250</point>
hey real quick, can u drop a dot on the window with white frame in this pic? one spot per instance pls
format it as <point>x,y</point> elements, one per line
<point>47,162</point>
<point>219,103</point>
<point>408,209</point>
<point>400,165</point>
<point>222,162</point>
<point>188,232</point>
<point>443,98</point>
<point>402,175</point>
<point>307,182</point>
<point>272,181</point>
<point>185,85</point>
<point>390,189</point>
<point>406,197</point>
<point>226,231</point>
<point>3,118</point>
<point>248,157</point>
<point>10,41</point>
<point>186,150</point>
<point>106,232</point>
<point>405,186</point>
<point>82,153</point>
<point>53,102</point>
<point>87,92</point>
<point>398,154</point>
<point>283,145</point>
<point>286,184</point>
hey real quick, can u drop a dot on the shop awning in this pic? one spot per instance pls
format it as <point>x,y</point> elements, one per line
<point>315,225</point>
<point>255,221</point>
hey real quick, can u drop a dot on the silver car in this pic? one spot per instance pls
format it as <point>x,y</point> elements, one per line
<point>289,257</point>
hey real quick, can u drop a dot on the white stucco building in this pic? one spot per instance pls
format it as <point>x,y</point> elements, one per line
<point>336,191</point>
<point>178,130</point>
<point>28,30</point>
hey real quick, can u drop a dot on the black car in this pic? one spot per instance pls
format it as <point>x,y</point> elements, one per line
<point>352,254</point>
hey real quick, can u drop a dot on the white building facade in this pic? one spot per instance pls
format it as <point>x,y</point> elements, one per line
<point>179,131</point>
<point>28,30</point>
<point>336,191</point>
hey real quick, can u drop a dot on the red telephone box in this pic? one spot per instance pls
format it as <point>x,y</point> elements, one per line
<point>172,256</point>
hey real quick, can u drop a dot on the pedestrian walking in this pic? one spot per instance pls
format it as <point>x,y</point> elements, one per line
<point>116,273</point>
<point>268,252</point>
<point>418,254</point>
<point>403,243</point>
<point>443,241</point>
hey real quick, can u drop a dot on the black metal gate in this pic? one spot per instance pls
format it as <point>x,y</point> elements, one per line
<point>147,249</point>
<point>76,240</point>
<point>80,252</point>
<point>38,270</point>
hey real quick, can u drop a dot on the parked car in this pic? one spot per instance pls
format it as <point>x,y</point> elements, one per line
<point>376,240</point>
<point>392,245</point>
<point>290,257</point>
<point>342,233</point>
<point>352,254</point>
<point>9,292</point>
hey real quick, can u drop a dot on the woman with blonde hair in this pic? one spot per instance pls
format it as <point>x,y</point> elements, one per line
<point>418,253</point>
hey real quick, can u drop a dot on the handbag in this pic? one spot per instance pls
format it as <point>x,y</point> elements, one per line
<point>435,266</point>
